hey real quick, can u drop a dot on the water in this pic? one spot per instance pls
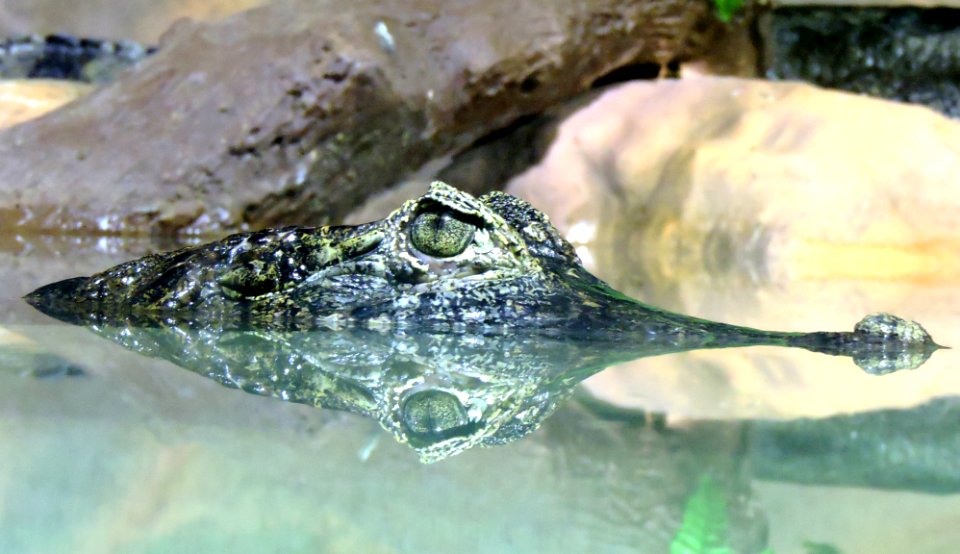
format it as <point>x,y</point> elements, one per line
<point>106,450</point>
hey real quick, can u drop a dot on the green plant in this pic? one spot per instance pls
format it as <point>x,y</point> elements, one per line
<point>727,8</point>
<point>703,529</point>
<point>820,548</point>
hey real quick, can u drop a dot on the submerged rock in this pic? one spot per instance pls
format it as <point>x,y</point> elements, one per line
<point>903,449</point>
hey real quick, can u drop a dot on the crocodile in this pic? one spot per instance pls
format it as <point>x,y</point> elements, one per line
<point>455,321</point>
<point>444,262</point>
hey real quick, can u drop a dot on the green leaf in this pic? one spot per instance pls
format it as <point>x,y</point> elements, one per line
<point>820,548</point>
<point>704,526</point>
<point>727,8</point>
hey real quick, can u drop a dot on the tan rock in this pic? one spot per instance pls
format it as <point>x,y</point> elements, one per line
<point>787,178</point>
<point>775,205</point>
<point>22,100</point>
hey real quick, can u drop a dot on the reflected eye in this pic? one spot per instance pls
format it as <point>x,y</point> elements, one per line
<point>433,415</point>
<point>441,234</point>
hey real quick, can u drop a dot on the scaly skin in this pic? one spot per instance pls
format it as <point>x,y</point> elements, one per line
<point>495,265</point>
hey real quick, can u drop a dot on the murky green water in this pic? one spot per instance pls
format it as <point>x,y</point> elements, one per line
<point>106,450</point>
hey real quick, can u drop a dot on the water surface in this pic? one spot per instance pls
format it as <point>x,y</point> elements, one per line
<point>106,450</point>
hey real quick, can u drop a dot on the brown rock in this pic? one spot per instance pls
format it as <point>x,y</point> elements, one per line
<point>139,20</point>
<point>291,112</point>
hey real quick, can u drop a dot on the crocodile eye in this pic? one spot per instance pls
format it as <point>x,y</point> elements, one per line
<point>441,234</point>
<point>434,414</point>
<point>249,281</point>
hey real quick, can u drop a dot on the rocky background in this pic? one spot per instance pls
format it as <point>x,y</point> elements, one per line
<point>295,111</point>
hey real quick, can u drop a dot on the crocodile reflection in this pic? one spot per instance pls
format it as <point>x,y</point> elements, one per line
<point>440,393</point>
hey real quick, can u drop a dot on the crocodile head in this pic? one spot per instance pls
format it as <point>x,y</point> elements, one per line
<point>445,259</point>
<point>443,262</point>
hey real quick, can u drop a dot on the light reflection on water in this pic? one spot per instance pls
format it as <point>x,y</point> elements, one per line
<point>137,454</point>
